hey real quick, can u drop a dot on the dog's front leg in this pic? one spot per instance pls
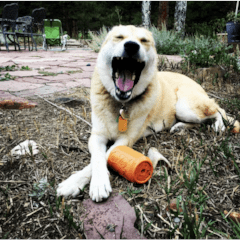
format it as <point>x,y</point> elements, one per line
<point>100,184</point>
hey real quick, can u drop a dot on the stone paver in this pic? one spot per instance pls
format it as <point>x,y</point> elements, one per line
<point>30,83</point>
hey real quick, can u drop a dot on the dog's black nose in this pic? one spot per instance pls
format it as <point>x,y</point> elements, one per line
<point>131,48</point>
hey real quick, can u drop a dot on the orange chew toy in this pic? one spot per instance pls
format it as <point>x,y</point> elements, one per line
<point>130,164</point>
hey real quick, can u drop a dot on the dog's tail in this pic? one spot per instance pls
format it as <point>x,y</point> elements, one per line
<point>230,121</point>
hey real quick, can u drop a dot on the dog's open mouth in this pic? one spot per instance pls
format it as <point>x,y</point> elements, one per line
<point>126,73</point>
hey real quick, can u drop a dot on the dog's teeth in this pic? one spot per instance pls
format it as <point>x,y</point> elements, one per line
<point>129,93</point>
<point>121,58</point>
<point>118,58</point>
<point>116,75</point>
<point>118,92</point>
<point>133,77</point>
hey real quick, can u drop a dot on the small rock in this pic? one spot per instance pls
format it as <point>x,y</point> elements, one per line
<point>111,227</point>
<point>88,64</point>
<point>35,204</point>
<point>176,220</point>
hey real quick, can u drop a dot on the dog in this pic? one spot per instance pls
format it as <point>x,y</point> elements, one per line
<point>130,98</point>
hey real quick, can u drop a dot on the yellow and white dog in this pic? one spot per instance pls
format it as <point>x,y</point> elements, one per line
<point>127,87</point>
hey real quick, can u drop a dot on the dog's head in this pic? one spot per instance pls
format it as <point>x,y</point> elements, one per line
<point>127,62</point>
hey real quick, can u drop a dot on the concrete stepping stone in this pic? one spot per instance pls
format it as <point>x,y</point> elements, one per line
<point>111,219</point>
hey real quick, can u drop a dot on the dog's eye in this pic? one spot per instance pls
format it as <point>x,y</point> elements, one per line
<point>144,40</point>
<point>119,37</point>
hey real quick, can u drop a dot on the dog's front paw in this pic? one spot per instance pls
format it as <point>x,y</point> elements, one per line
<point>100,186</point>
<point>73,185</point>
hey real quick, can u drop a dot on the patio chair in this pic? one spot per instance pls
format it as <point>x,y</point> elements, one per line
<point>25,29</point>
<point>38,15</point>
<point>53,34</point>
<point>8,24</point>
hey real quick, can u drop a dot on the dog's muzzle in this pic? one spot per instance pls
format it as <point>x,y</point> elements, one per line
<point>127,70</point>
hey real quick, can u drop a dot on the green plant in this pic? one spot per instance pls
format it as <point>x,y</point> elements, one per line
<point>40,188</point>
<point>8,68</point>
<point>232,18</point>
<point>233,104</point>
<point>25,68</point>
<point>130,191</point>
<point>76,71</point>
<point>234,226</point>
<point>97,40</point>
<point>167,42</point>
<point>45,73</point>
<point>192,207</point>
<point>202,51</point>
<point>69,217</point>
<point>7,77</point>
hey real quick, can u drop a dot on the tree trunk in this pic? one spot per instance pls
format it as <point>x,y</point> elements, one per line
<point>180,17</point>
<point>74,29</point>
<point>146,10</point>
<point>163,14</point>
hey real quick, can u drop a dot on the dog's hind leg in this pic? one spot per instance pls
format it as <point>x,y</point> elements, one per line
<point>195,108</point>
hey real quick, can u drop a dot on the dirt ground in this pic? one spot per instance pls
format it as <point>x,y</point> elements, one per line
<point>30,210</point>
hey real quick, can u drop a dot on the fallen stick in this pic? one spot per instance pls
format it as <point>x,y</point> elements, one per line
<point>62,108</point>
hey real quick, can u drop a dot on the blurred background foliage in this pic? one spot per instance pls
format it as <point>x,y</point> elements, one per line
<point>81,16</point>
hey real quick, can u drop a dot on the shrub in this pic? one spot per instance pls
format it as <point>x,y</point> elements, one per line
<point>97,39</point>
<point>167,42</point>
<point>202,51</point>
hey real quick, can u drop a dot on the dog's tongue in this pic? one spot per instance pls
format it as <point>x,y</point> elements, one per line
<point>124,82</point>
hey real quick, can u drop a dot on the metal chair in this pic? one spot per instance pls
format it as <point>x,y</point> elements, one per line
<point>53,34</point>
<point>25,29</point>
<point>8,24</point>
<point>38,15</point>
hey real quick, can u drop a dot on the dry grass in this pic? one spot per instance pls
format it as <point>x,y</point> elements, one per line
<point>62,141</point>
